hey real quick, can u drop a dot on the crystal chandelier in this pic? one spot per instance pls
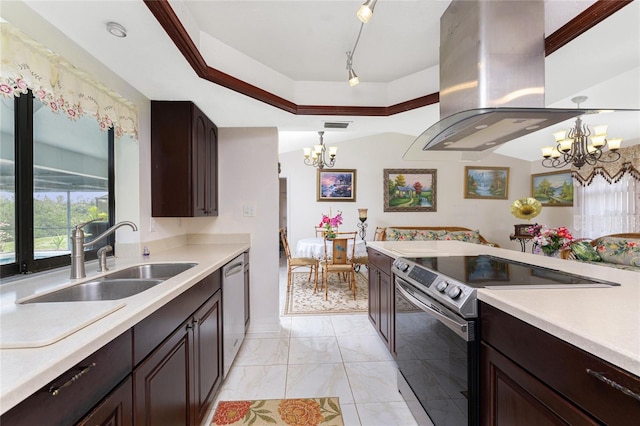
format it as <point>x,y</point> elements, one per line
<point>316,156</point>
<point>573,146</point>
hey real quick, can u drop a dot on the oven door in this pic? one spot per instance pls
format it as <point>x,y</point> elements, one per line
<point>437,357</point>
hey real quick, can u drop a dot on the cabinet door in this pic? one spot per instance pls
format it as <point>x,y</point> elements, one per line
<point>512,396</point>
<point>211,179</point>
<point>207,353</point>
<point>200,163</point>
<point>115,410</point>
<point>386,309</point>
<point>374,296</point>
<point>162,384</point>
<point>247,294</point>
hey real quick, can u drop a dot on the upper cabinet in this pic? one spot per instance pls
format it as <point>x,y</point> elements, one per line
<point>184,161</point>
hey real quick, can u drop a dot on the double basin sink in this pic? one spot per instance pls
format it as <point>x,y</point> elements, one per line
<point>116,285</point>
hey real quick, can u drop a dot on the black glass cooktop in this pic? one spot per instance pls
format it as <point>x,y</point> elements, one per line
<point>490,271</point>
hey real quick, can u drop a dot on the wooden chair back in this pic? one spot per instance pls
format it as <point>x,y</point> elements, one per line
<point>379,234</point>
<point>285,243</point>
<point>342,248</point>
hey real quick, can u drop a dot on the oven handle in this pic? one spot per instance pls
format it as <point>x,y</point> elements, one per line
<point>460,328</point>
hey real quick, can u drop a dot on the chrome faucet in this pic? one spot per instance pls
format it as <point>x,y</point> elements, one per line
<point>78,245</point>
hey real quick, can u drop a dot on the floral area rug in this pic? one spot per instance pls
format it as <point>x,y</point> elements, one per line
<point>302,300</point>
<point>290,412</point>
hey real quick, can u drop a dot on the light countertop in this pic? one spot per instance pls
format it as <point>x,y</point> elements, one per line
<point>601,321</point>
<point>80,328</point>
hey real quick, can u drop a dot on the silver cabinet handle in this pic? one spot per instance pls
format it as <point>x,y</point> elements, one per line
<point>55,390</point>
<point>613,384</point>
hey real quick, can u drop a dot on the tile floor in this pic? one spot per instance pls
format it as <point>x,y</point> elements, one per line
<point>325,355</point>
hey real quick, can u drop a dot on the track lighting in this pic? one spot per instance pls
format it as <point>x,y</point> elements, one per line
<point>366,11</point>
<point>353,77</point>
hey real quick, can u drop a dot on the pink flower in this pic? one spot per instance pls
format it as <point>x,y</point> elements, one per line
<point>632,244</point>
<point>6,89</point>
<point>21,84</point>
<point>40,94</point>
<point>53,106</point>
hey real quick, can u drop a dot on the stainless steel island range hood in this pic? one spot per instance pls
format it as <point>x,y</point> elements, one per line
<point>491,76</point>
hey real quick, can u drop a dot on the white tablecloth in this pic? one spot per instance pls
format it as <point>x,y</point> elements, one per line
<point>314,247</point>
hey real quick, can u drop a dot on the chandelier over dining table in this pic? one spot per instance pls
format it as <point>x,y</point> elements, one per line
<point>317,156</point>
<point>581,145</point>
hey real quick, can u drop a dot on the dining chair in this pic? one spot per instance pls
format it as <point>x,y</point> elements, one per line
<point>298,262</point>
<point>340,261</point>
<point>320,230</point>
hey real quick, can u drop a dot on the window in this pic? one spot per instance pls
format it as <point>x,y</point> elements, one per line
<point>56,173</point>
<point>603,208</point>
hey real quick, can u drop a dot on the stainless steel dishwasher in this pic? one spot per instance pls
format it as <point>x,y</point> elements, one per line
<point>232,310</point>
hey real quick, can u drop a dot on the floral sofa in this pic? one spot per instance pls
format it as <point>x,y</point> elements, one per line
<point>430,233</point>
<point>620,251</point>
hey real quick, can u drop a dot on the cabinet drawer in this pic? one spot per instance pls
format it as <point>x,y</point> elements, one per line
<point>382,261</point>
<point>95,377</point>
<point>563,367</point>
<point>154,329</point>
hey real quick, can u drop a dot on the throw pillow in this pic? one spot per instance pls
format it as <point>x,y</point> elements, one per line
<point>621,251</point>
<point>465,236</point>
<point>585,251</point>
<point>394,234</point>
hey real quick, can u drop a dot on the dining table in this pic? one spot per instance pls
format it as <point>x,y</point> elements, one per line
<point>314,247</point>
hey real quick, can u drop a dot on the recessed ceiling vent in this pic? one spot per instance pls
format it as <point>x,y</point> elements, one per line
<point>336,124</point>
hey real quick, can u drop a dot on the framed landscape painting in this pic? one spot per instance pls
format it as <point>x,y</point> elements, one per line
<point>336,185</point>
<point>553,189</point>
<point>486,182</point>
<point>409,190</point>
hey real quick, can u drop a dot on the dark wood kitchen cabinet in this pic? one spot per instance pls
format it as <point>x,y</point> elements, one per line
<point>247,292</point>
<point>381,297</point>
<point>68,398</point>
<point>115,410</point>
<point>176,382</point>
<point>529,377</point>
<point>184,161</point>
<point>175,355</point>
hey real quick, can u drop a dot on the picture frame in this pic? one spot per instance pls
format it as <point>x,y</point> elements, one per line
<point>336,185</point>
<point>490,183</point>
<point>553,189</point>
<point>410,190</point>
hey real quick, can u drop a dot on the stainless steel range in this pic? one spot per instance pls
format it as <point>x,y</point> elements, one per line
<point>436,323</point>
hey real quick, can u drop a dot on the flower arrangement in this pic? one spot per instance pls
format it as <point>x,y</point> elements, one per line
<point>551,240</point>
<point>330,224</point>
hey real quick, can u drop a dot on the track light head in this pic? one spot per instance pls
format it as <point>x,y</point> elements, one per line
<point>366,10</point>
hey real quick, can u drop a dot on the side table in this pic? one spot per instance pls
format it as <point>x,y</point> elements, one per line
<point>523,240</point>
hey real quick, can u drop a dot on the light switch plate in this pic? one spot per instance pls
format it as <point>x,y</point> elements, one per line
<point>248,210</point>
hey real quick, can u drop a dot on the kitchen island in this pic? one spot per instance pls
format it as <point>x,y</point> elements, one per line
<point>601,321</point>
<point>545,345</point>
<point>26,367</point>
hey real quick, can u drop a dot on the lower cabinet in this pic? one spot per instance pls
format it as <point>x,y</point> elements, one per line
<point>115,410</point>
<point>177,382</point>
<point>68,398</point>
<point>381,297</point>
<point>529,377</point>
<point>165,370</point>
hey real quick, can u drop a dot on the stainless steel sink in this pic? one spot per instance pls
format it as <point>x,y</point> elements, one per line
<point>95,290</point>
<point>161,271</point>
<point>117,285</point>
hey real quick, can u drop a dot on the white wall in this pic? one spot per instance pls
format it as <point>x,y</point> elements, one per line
<point>248,176</point>
<point>369,156</point>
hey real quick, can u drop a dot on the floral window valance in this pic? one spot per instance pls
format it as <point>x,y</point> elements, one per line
<point>65,89</point>
<point>629,162</point>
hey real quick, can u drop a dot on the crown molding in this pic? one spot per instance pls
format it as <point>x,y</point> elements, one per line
<point>169,21</point>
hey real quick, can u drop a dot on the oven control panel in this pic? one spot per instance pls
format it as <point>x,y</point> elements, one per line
<point>451,293</point>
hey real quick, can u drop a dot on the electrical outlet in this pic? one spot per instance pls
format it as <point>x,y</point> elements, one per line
<point>152,224</point>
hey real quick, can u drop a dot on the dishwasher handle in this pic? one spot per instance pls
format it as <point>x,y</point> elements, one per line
<point>233,269</point>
